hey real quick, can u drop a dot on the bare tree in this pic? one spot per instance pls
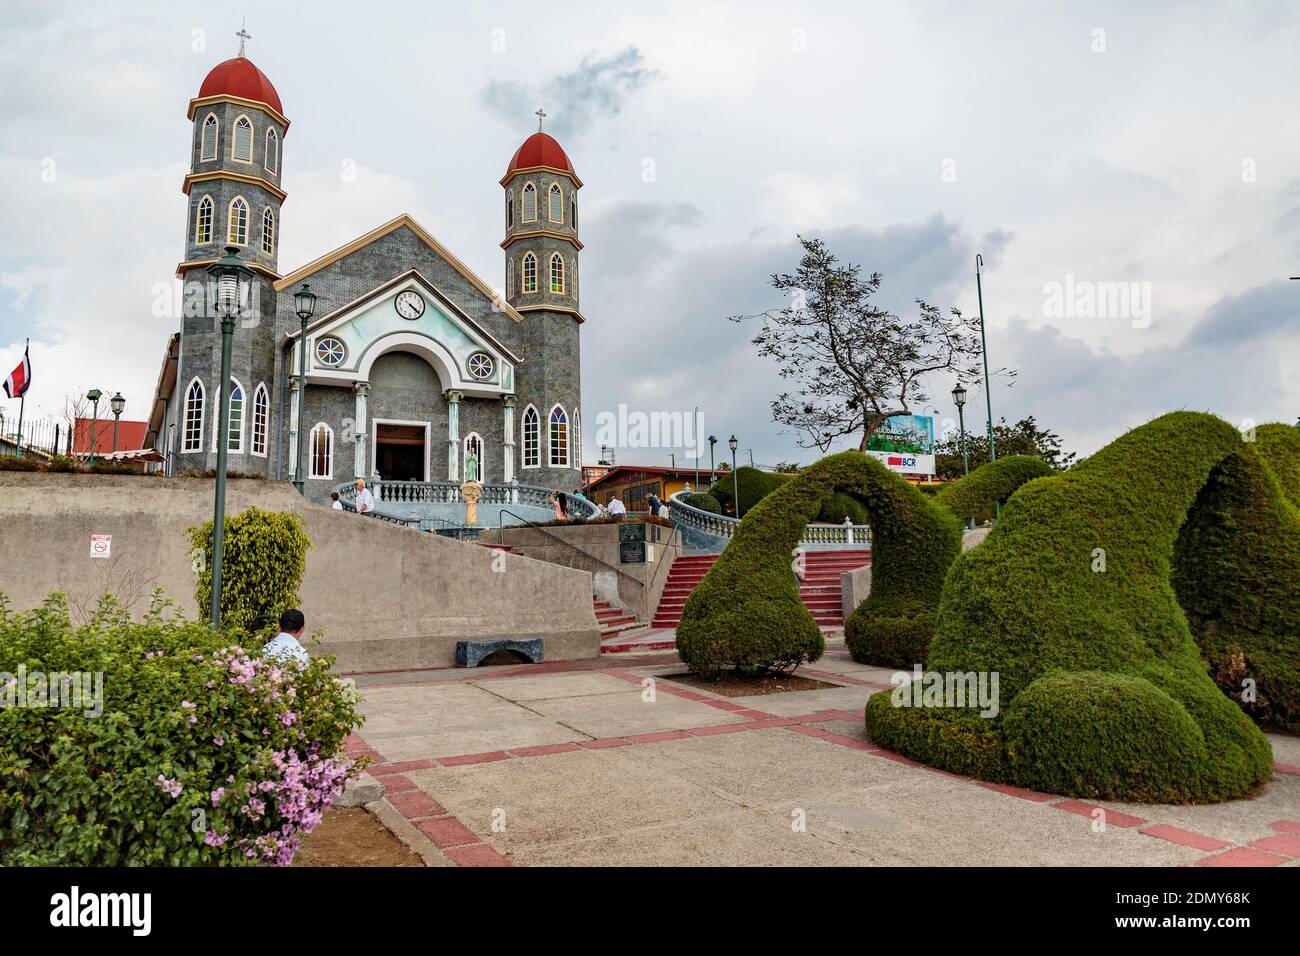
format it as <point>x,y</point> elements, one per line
<point>855,364</point>
<point>75,406</point>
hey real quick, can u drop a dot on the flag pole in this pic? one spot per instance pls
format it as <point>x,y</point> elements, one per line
<point>22,404</point>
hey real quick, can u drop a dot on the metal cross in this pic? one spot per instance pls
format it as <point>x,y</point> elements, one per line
<point>541,115</point>
<point>243,35</point>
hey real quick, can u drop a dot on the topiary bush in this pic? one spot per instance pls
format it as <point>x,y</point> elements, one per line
<point>754,485</point>
<point>746,612</point>
<point>1279,446</point>
<point>990,483</point>
<point>264,558</point>
<point>195,752</point>
<point>1237,576</point>
<point>705,502</point>
<point>839,505</point>
<point>1076,578</point>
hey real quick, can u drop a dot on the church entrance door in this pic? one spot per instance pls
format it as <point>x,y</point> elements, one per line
<point>400,453</point>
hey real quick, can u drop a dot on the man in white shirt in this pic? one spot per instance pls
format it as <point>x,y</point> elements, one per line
<point>365,501</point>
<point>334,501</point>
<point>285,646</point>
<point>615,507</point>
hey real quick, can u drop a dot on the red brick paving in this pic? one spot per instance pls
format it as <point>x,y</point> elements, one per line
<point>1242,856</point>
<point>605,743</point>
<point>658,736</point>
<point>1286,843</point>
<point>1288,826</point>
<point>473,758</point>
<point>718,729</point>
<point>476,854</point>
<point>416,805</point>
<point>446,832</point>
<point>396,783</point>
<point>381,769</point>
<point>1196,841</point>
<point>1020,792</point>
<point>543,750</point>
<point>1113,818</point>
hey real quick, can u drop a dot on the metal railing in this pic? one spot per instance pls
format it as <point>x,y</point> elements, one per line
<point>394,498</point>
<point>688,518</point>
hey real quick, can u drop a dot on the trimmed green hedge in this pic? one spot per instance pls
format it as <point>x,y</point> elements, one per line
<point>1074,580</point>
<point>994,481</point>
<point>264,558</point>
<point>746,613</point>
<point>1237,575</point>
<point>754,485</point>
<point>1279,446</point>
<point>705,502</point>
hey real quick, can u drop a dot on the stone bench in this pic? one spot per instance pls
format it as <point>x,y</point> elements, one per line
<point>472,653</point>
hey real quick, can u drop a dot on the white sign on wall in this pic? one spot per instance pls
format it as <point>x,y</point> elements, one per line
<point>101,545</point>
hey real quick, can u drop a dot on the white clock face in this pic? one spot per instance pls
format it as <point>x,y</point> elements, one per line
<point>409,305</point>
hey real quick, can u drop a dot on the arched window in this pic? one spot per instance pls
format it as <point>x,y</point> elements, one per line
<point>575,454</point>
<point>529,283</point>
<point>532,439</point>
<point>510,275</point>
<point>261,418</point>
<point>557,203</point>
<point>268,231</point>
<point>203,221</point>
<point>272,161</point>
<point>321,451</point>
<point>208,138</point>
<point>473,443</point>
<point>510,209</point>
<point>530,203</point>
<point>237,230</point>
<point>235,443</point>
<point>241,144</point>
<point>194,402</point>
<point>559,438</point>
<point>557,274</point>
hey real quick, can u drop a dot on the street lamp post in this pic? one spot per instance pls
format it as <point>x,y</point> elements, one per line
<point>231,277</point>
<point>713,470</point>
<point>959,399</point>
<point>735,482</point>
<point>984,349</point>
<point>304,303</point>
<point>94,396</point>
<point>696,437</point>
<point>117,403</point>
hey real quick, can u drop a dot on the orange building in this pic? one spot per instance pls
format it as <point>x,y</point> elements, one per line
<point>634,484</point>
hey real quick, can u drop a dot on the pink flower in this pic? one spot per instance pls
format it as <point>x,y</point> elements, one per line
<point>212,838</point>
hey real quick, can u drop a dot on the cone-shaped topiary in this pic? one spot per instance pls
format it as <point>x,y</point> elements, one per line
<point>1074,581</point>
<point>1279,446</point>
<point>1237,575</point>
<point>747,614</point>
<point>991,482</point>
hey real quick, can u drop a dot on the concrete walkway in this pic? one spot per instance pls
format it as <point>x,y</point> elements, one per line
<point>606,762</point>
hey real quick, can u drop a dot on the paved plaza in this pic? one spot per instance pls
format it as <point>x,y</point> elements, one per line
<point>589,763</point>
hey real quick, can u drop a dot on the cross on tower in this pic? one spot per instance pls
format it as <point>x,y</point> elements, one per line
<point>541,115</point>
<point>243,35</point>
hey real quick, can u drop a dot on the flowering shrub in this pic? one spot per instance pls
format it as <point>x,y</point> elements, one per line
<point>193,751</point>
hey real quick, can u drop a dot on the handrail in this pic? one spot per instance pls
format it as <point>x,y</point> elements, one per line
<point>447,492</point>
<point>724,526</point>
<point>501,531</point>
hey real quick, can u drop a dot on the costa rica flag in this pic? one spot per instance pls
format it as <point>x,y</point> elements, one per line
<point>20,379</point>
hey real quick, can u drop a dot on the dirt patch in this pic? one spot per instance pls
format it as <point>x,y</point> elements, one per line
<point>732,685</point>
<point>353,837</point>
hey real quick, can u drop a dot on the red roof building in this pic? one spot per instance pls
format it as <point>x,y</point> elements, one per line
<point>130,436</point>
<point>540,151</point>
<point>239,77</point>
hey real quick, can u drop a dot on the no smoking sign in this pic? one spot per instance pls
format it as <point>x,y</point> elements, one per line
<point>101,545</point>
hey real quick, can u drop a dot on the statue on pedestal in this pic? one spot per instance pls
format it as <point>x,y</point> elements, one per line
<point>471,490</point>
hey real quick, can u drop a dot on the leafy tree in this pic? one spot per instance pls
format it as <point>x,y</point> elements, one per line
<point>1022,438</point>
<point>853,363</point>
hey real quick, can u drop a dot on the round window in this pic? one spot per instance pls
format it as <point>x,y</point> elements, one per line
<point>480,366</point>
<point>330,351</point>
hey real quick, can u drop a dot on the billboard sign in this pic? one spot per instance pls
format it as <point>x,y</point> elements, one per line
<point>905,444</point>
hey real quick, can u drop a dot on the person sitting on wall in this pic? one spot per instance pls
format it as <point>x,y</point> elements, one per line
<point>334,501</point>
<point>365,500</point>
<point>285,645</point>
<point>615,507</point>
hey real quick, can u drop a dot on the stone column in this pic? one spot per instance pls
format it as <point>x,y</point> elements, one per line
<point>508,446</point>
<point>453,435</point>
<point>293,427</point>
<point>359,456</point>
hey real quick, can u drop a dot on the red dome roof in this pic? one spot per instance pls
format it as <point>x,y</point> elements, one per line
<point>239,77</point>
<point>540,149</point>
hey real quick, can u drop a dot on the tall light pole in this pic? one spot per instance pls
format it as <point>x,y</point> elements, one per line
<point>231,276</point>
<point>304,303</point>
<point>984,348</point>
<point>94,396</point>
<point>696,435</point>
<point>117,403</point>
<point>713,470</point>
<point>735,482</point>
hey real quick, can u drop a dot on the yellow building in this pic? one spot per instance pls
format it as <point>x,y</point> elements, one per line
<point>634,484</point>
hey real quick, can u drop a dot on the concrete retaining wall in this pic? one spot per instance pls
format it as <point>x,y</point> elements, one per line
<point>386,597</point>
<point>594,548</point>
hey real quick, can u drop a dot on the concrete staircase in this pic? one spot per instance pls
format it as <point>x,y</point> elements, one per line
<point>820,589</point>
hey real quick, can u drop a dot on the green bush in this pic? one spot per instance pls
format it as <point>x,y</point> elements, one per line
<point>746,613</point>
<point>1237,576</point>
<point>264,557</point>
<point>703,501</point>
<point>1076,577</point>
<point>754,485</point>
<point>839,505</point>
<point>15,463</point>
<point>1279,446</point>
<point>995,481</point>
<point>194,753</point>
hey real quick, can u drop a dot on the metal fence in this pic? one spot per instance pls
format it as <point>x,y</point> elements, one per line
<point>41,437</point>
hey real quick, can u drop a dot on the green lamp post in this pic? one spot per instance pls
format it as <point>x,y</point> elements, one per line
<point>304,303</point>
<point>959,399</point>
<point>735,482</point>
<point>232,277</point>
<point>94,395</point>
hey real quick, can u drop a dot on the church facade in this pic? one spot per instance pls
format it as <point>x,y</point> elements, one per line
<point>413,362</point>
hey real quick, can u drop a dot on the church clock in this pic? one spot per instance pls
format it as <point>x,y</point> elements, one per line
<point>409,305</point>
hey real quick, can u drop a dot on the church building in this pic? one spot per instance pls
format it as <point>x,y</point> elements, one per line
<point>413,361</point>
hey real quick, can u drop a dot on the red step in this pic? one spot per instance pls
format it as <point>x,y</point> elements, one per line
<point>819,591</point>
<point>612,620</point>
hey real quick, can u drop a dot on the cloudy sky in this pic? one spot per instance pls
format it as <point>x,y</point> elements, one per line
<point>1076,146</point>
